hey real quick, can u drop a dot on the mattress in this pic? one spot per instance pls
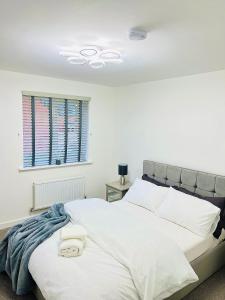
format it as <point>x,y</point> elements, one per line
<point>190,243</point>
<point>97,275</point>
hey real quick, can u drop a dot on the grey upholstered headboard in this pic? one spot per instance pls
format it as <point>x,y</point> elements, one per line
<point>202,183</point>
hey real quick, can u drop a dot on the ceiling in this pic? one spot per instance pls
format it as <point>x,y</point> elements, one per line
<point>185,37</point>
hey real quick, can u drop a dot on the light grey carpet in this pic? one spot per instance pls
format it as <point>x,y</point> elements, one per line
<point>6,292</point>
<point>211,289</point>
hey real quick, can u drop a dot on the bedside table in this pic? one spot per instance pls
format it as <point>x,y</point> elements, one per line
<point>115,191</point>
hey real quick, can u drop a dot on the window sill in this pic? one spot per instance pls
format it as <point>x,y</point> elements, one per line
<point>55,166</point>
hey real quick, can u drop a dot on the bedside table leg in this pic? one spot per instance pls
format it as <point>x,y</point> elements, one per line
<point>107,195</point>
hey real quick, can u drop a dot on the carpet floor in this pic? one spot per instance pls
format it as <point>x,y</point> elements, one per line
<point>211,289</point>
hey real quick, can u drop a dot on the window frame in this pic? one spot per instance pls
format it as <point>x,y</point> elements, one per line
<point>58,96</point>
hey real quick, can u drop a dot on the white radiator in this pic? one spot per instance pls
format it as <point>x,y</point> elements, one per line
<point>47,193</point>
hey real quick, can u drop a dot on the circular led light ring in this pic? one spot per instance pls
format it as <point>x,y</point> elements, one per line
<point>89,51</point>
<point>110,54</point>
<point>77,60</point>
<point>97,64</point>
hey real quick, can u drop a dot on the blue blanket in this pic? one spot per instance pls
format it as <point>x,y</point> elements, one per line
<point>21,240</point>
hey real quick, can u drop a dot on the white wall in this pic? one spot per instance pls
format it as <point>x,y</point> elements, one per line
<point>16,186</point>
<point>178,121</point>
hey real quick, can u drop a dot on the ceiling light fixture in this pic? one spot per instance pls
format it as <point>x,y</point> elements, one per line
<point>110,54</point>
<point>94,56</point>
<point>77,60</point>
<point>89,51</point>
<point>97,64</point>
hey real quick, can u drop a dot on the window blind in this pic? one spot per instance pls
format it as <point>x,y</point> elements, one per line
<point>55,131</point>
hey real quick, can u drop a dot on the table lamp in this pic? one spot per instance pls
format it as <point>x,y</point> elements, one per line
<point>122,171</point>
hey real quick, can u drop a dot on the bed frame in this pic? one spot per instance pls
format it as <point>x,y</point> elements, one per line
<point>204,184</point>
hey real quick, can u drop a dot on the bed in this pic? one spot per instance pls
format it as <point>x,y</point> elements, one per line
<point>92,269</point>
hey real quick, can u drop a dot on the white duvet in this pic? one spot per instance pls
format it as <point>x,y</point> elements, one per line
<point>125,258</point>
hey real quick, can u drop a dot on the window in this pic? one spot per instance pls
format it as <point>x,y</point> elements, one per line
<point>55,130</point>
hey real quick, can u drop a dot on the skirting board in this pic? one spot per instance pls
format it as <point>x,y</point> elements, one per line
<point>11,223</point>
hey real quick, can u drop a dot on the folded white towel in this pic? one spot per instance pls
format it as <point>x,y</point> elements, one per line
<point>71,248</point>
<point>73,232</point>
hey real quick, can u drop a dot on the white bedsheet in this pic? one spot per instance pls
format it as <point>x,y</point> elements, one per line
<point>95,275</point>
<point>190,243</point>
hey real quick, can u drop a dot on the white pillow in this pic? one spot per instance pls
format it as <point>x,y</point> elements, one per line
<point>146,194</point>
<point>197,215</point>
